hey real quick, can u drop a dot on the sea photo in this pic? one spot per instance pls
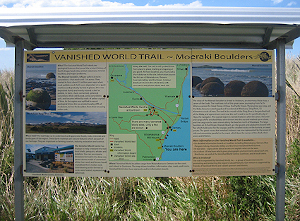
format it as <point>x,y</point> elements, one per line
<point>232,80</point>
<point>66,122</point>
<point>40,87</point>
<point>50,158</point>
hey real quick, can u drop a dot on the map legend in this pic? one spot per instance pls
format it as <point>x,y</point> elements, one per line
<point>122,147</point>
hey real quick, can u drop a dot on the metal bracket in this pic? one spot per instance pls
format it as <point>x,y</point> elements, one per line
<point>277,96</point>
<point>21,170</point>
<point>21,96</point>
<point>277,168</point>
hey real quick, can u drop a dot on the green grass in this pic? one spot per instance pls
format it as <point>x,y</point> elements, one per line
<point>170,198</point>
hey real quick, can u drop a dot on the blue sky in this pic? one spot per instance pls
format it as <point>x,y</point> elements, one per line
<point>229,3</point>
<point>7,54</point>
<point>66,117</point>
<point>34,147</point>
<point>114,3</point>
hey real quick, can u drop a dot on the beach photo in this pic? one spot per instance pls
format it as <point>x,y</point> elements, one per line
<point>231,80</point>
<point>41,87</point>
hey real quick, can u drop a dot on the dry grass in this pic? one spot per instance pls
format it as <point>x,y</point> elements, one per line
<point>293,99</point>
<point>174,198</point>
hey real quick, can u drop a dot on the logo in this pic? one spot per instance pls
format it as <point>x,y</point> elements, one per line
<point>264,56</point>
<point>38,57</point>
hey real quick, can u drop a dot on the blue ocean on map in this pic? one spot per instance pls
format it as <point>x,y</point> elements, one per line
<point>182,136</point>
<point>230,72</point>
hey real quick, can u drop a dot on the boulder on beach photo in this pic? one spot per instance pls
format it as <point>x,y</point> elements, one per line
<point>38,98</point>
<point>196,80</point>
<point>255,89</point>
<point>234,88</point>
<point>212,89</point>
<point>211,86</point>
<point>50,75</point>
<point>211,79</point>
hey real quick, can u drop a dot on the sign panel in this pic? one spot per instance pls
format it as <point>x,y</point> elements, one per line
<point>149,113</point>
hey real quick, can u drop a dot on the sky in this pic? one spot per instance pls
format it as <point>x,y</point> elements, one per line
<point>40,71</point>
<point>7,54</point>
<point>66,117</point>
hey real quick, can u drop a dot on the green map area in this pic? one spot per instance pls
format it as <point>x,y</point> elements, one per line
<point>145,104</point>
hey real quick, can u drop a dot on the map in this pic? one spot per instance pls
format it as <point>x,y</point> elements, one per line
<point>149,112</point>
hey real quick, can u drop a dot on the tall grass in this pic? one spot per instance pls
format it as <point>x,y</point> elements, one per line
<point>6,108</point>
<point>293,137</point>
<point>6,148</point>
<point>173,198</point>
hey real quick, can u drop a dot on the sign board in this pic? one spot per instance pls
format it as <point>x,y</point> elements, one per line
<point>149,113</point>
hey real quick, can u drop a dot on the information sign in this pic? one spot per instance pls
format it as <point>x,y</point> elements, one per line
<point>149,113</point>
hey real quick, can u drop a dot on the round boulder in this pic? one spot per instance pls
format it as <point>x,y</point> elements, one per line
<point>50,75</point>
<point>196,80</point>
<point>255,89</point>
<point>210,80</point>
<point>212,89</point>
<point>234,88</point>
<point>198,87</point>
<point>38,98</point>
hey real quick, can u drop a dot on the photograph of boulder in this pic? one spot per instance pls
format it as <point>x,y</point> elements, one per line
<point>232,80</point>
<point>41,87</point>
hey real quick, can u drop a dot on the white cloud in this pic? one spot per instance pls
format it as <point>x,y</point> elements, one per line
<point>80,3</point>
<point>5,2</point>
<point>7,49</point>
<point>275,2</point>
<point>194,4</point>
<point>291,4</point>
<point>60,3</point>
<point>87,117</point>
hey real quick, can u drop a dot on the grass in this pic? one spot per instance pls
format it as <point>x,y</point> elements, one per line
<point>141,198</point>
